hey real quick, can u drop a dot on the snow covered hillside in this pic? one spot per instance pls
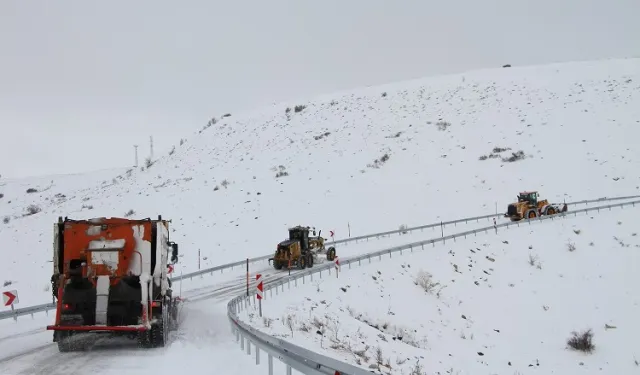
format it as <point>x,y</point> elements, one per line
<point>504,303</point>
<point>373,159</point>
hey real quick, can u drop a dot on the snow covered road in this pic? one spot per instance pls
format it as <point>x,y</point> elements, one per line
<point>204,335</point>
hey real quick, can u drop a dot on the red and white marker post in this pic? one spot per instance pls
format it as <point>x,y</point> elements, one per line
<point>259,289</point>
<point>337,266</point>
<point>10,298</point>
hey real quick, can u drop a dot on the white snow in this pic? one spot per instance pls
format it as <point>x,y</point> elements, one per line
<point>504,303</point>
<point>577,124</point>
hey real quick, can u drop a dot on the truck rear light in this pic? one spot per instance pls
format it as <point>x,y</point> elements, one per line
<point>66,306</point>
<point>155,303</point>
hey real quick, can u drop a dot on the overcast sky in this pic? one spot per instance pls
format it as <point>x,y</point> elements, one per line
<point>82,81</point>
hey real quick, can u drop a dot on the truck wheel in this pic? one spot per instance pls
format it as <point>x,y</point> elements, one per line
<point>310,260</point>
<point>160,331</point>
<point>277,265</point>
<point>331,254</point>
<point>302,262</point>
<point>550,211</point>
<point>531,214</point>
<point>64,344</point>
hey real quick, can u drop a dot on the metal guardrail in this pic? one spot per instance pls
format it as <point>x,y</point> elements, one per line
<point>310,362</point>
<point>465,220</point>
<point>45,307</point>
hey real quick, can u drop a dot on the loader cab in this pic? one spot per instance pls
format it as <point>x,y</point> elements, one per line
<point>300,234</point>
<point>529,196</point>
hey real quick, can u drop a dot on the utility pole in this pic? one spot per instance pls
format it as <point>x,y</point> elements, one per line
<point>151,143</point>
<point>136,148</point>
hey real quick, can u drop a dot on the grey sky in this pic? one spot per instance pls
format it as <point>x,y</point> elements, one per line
<point>82,81</point>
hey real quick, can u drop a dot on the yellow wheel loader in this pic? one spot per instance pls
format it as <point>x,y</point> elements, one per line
<point>528,206</point>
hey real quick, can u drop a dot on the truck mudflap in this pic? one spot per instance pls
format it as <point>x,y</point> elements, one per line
<point>138,328</point>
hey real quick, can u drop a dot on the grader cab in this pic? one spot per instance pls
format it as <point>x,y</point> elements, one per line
<point>300,250</point>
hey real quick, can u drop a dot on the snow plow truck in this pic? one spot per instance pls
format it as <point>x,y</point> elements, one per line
<point>110,275</point>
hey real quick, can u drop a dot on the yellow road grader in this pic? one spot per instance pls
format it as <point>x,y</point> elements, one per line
<point>528,206</point>
<point>300,250</point>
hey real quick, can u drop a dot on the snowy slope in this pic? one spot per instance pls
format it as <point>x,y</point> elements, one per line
<point>577,124</point>
<point>502,303</point>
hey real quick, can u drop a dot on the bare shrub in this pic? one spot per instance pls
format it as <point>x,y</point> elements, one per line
<point>130,213</point>
<point>6,219</point>
<point>182,141</point>
<point>483,157</point>
<point>33,209</point>
<point>571,246</point>
<point>443,125</point>
<point>319,137</point>
<point>267,321</point>
<point>290,323</point>
<point>148,162</point>
<point>497,150</point>
<point>225,183</point>
<point>515,156</point>
<point>417,369</point>
<point>424,280</point>
<point>1,195</point>
<point>32,190</point>
<point>379,359</point>
<point>173,149</point>
<point>532,259</point>
<point>582,341</point>
<point>299,108</point>
<point>379,162</point>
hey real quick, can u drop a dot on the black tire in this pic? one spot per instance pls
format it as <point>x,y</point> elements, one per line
<point>310,260</point>
<point>550,210</point>
<point>302,262</point>
<point>331,253</point>
<point>277,265</point>
<point>531,214</point>
<point>160,331</point>
<point>64,344</point>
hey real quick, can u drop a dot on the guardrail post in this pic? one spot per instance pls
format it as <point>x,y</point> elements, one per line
<point>237,335</point>
<point>288,370</point>
<point>241,342</point>
<point>257,355</point>
<point>288,284</point>
<point>248,347</point>
<point>270,360</point>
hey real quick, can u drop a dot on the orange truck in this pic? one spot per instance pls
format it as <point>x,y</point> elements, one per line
<point>110,275</point>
